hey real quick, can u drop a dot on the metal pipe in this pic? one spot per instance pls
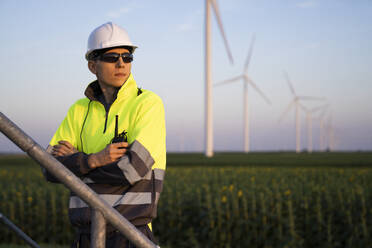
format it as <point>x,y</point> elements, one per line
<point>23,141</point>
<point>98,230</point>
<point>18,231</point>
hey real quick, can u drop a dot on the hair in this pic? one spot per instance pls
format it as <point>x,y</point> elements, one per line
<point>96,53</point>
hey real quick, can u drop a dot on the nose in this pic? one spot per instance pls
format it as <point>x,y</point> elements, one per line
<point>120,63</point>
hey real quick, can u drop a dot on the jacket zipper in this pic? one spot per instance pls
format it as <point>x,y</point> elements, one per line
<point>107,112</point>
<point>104,129</point>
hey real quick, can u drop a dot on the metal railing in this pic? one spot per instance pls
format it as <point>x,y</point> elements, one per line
<point>101,210</point>
<point>18,231</point>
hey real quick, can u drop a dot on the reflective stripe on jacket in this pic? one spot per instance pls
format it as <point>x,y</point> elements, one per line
<point>134,183</point>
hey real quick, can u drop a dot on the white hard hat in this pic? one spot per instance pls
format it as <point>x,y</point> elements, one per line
<point>106,36</point>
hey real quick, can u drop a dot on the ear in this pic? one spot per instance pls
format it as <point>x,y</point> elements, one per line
<point>92,67</point>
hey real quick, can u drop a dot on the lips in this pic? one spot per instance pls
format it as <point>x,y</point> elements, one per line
<point>119,74</point>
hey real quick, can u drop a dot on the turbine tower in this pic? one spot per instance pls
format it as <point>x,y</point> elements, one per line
<point>331,134</point>
<point>246,81</point>
<point>296,103</point>
<point>321,128</point>
<point>208,72</point>
<point>309,121</point>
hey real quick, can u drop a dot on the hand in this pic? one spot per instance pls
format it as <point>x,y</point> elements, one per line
<point>63,148</point>
<point>111,153</point>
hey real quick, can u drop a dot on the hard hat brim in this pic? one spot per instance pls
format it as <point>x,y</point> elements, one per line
<point>87,54</point>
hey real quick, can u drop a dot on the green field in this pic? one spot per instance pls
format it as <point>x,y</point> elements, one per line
<point>230,200</point>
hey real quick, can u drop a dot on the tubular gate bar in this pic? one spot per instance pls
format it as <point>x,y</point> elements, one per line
<point>18,231</point>
<point>101,210</point>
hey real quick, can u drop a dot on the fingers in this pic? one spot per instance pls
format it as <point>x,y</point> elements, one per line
<point>63,148</point>
<point>113,152</point>
<point>120,145</point>
<point>117,149</point>
<point>59,150</point>
<point>57,153</point>
<point>66,143</point>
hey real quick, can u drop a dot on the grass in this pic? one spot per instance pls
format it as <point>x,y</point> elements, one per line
<point>267,159</point>
<point>273,159</point>
<point>318,199</point>
<point>27,246</point>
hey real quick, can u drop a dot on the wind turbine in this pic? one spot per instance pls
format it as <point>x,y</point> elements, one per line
<point>246,81</point>
<point>309,120</point>
<point>331,134</point>
<point>208,72</point>
<point>296,103</point>
<point>321,128</point>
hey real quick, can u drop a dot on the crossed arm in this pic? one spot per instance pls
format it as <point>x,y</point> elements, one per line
<point>111,153</point>
<point>117,163</point>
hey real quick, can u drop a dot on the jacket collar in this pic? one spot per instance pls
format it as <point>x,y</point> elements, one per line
<point>129,88</point>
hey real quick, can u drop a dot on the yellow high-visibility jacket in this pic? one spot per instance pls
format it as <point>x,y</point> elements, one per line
<point>134,183</point>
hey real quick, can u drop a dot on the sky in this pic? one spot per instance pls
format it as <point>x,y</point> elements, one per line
<point>325,46</point>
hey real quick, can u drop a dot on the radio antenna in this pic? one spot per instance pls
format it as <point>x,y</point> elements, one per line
<point>116,126</point>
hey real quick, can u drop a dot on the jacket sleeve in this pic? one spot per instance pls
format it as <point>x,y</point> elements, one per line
<point>146,149</point>
<point>69,131</point>
<point>77,163</point>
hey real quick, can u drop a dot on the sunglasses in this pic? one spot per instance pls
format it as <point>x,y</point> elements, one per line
<point>114,57</point>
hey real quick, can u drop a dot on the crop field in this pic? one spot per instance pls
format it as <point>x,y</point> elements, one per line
<point>231,200</point>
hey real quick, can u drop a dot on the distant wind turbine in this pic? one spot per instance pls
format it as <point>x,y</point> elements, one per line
<point>296,103</point>
<point>331,134</point>
<point>246,81</point>
<point>208,72</point>
<point>309,121</point>
<point>322,137</point>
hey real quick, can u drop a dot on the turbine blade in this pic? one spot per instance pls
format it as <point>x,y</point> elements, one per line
<point>231,80</point>
<point>287,110</point>
<point>289,83</point>
<point>249,54</point>
<point>218,17</point>
<point>248,80</point>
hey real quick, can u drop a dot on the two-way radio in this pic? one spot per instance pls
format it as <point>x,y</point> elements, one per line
<point>122,137</point>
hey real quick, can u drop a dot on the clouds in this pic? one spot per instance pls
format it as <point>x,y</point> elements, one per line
<point>307,4</point>
<point>117,13</point>
<point>192,21</point>
<point>130,7</point>
<point>313,45</point>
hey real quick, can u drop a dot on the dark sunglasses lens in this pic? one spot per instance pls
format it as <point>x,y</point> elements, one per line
<point>110,57</point>
<point>113,57</point>
<point>127,57</point>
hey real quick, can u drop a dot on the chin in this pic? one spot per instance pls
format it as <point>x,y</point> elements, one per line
<point>118,85</point>
<point>117,82</point>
